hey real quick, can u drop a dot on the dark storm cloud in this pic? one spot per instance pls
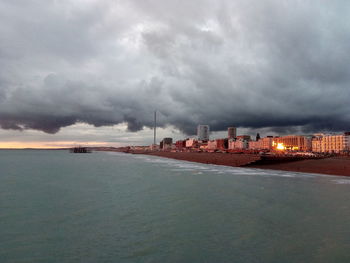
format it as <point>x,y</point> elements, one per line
<point>248,63</point>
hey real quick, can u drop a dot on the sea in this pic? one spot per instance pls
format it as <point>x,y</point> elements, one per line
<point>56,206</point>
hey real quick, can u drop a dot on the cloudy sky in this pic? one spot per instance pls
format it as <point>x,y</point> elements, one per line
<point>93,71</point>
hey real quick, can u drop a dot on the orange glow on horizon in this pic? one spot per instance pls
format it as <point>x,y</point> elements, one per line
<point>52,145</point>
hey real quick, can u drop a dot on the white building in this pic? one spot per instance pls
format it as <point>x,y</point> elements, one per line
<point>331,143</point>
<point>255,145</point>
<point>212,145</point>
<point>262,144</point>
<point>238,144</point>
<point>335,143</point>
<point>203,132</point>
<point>191,143</point>
<point>316,143</point>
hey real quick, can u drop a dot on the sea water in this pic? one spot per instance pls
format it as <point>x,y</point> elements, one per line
<point>112,207</point>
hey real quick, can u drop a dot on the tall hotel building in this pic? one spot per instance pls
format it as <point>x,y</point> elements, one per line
<point>335,143</point>
<point>232,132</point>
<point>331,143</point>
<point>317,143</point>
<point>203,132</point>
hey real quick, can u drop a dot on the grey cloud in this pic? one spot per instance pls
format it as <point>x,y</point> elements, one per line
<point>265,65</point>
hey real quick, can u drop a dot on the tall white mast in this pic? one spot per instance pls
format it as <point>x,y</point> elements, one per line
<point>155,127</point>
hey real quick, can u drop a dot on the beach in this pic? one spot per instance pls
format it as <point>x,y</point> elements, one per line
<point>331,165</point>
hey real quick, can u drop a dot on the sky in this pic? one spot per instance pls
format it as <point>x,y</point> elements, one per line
<point>93,71</point>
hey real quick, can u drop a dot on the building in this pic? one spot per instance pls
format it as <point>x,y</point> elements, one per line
<point>335,143</point>
<point>266,143</point>
<point>244,137</point>
<point>238,144</point>
<point>222,144</point>
<point>338,143</point>
<point>180,145</point>
<point>203,132</point>
<point>167,143</point>
<point>231,133</point>
<point>191,143</point>
<point>316,143</point>
<point>292,143</point>
<point>218,144</point>
<point>212,145</point>
<point>261,144</point>
<point>255,145</point>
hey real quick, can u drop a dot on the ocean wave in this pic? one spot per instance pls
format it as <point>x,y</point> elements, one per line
<point>342,181</point>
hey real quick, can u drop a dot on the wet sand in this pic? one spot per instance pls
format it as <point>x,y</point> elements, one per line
<point>333,165</point>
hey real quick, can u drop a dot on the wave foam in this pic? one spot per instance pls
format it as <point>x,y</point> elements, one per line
<point>342,181</point>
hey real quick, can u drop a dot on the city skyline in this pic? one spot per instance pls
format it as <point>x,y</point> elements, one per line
<point>144,137</point>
